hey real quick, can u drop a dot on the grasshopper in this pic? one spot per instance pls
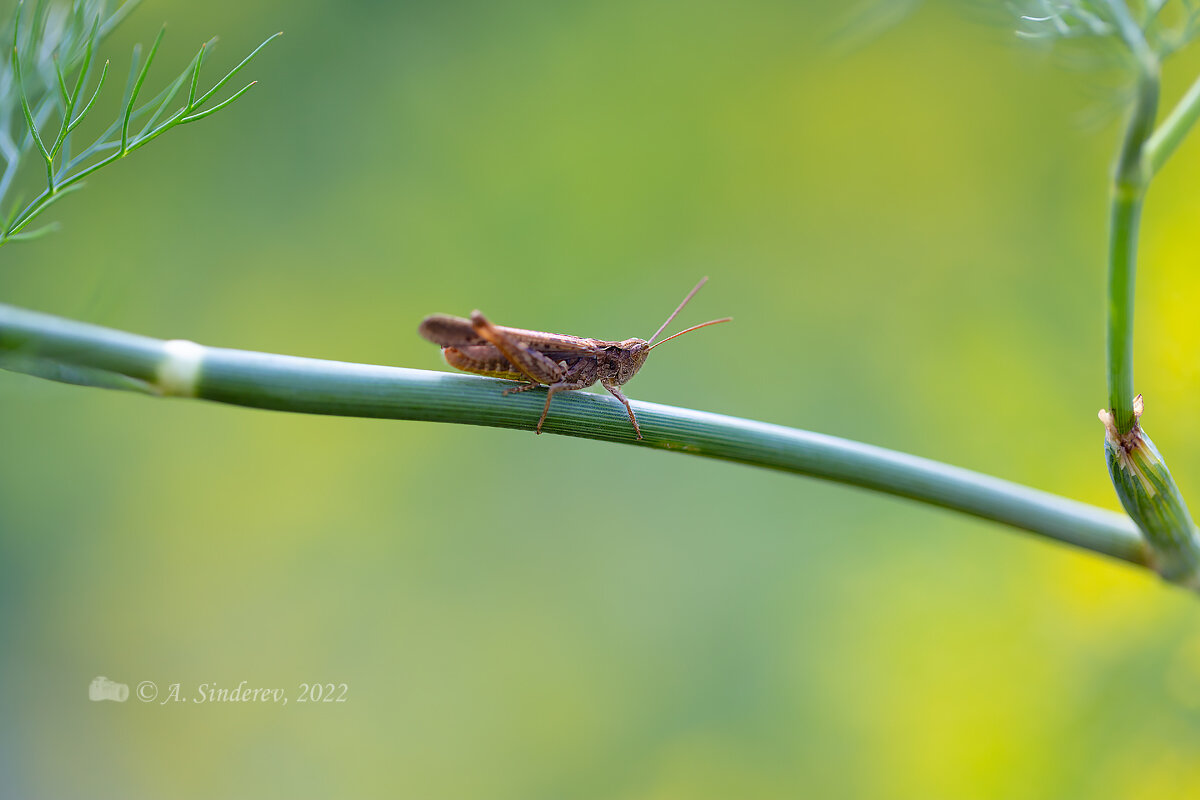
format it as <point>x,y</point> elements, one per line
<point>558,361</point>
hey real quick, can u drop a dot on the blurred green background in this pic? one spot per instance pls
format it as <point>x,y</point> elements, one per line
<point>910,233</point>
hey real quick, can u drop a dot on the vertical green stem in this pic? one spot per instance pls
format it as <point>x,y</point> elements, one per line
<point>1122,263</point>
<point>1129,189</point>
<point>1140,476</point>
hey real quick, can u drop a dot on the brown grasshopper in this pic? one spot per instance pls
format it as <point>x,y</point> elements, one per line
<point>561,362</point>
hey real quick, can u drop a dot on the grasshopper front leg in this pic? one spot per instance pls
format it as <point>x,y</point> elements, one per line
<point>616,392</point>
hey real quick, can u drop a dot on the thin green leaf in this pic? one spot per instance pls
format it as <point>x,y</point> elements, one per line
<point>229,76</point>
<point>104,162</point>
<point>118,16</point>
<point>14,209</point>
<point>16,64</point>
<point>34,234</point>
<point>93,149</point>
<point>166,125</point>
<point>88,107</point>
<point>100,143</point>
<point>86,66</point>
<point>76,44</point>
<point>208,112</point>
<point>134,67</point>
<point>191,103</point>
<point>137,88</point>
<point>44,201</point>
<point>33,129</point>
<point>62,83</point>
<point>39,17</point>
<point>168,95</point>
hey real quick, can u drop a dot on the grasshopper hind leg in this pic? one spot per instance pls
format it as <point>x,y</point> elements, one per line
<point>553,389</point>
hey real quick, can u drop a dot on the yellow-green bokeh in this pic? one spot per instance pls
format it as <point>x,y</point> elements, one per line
<point>910,234</point>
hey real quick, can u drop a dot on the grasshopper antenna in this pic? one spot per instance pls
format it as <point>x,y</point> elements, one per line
<point>693,328</point>
<point>674,313</point>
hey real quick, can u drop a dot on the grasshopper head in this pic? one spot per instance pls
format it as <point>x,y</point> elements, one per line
<point>622,360</point>
<point>629,356</point>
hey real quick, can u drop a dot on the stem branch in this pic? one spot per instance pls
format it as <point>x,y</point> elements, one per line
<point>1174,129</point>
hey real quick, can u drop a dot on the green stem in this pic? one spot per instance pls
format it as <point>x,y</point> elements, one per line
<point>1126,212</point>
<point>1139,474</point>
<point>1129,189</point>
<point>1173,129</point>
<point>80,353</point>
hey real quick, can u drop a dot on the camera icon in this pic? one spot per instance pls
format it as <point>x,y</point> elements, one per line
<point>101,688</point>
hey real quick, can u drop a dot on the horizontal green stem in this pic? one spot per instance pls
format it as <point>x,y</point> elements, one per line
<point>80,353</point>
